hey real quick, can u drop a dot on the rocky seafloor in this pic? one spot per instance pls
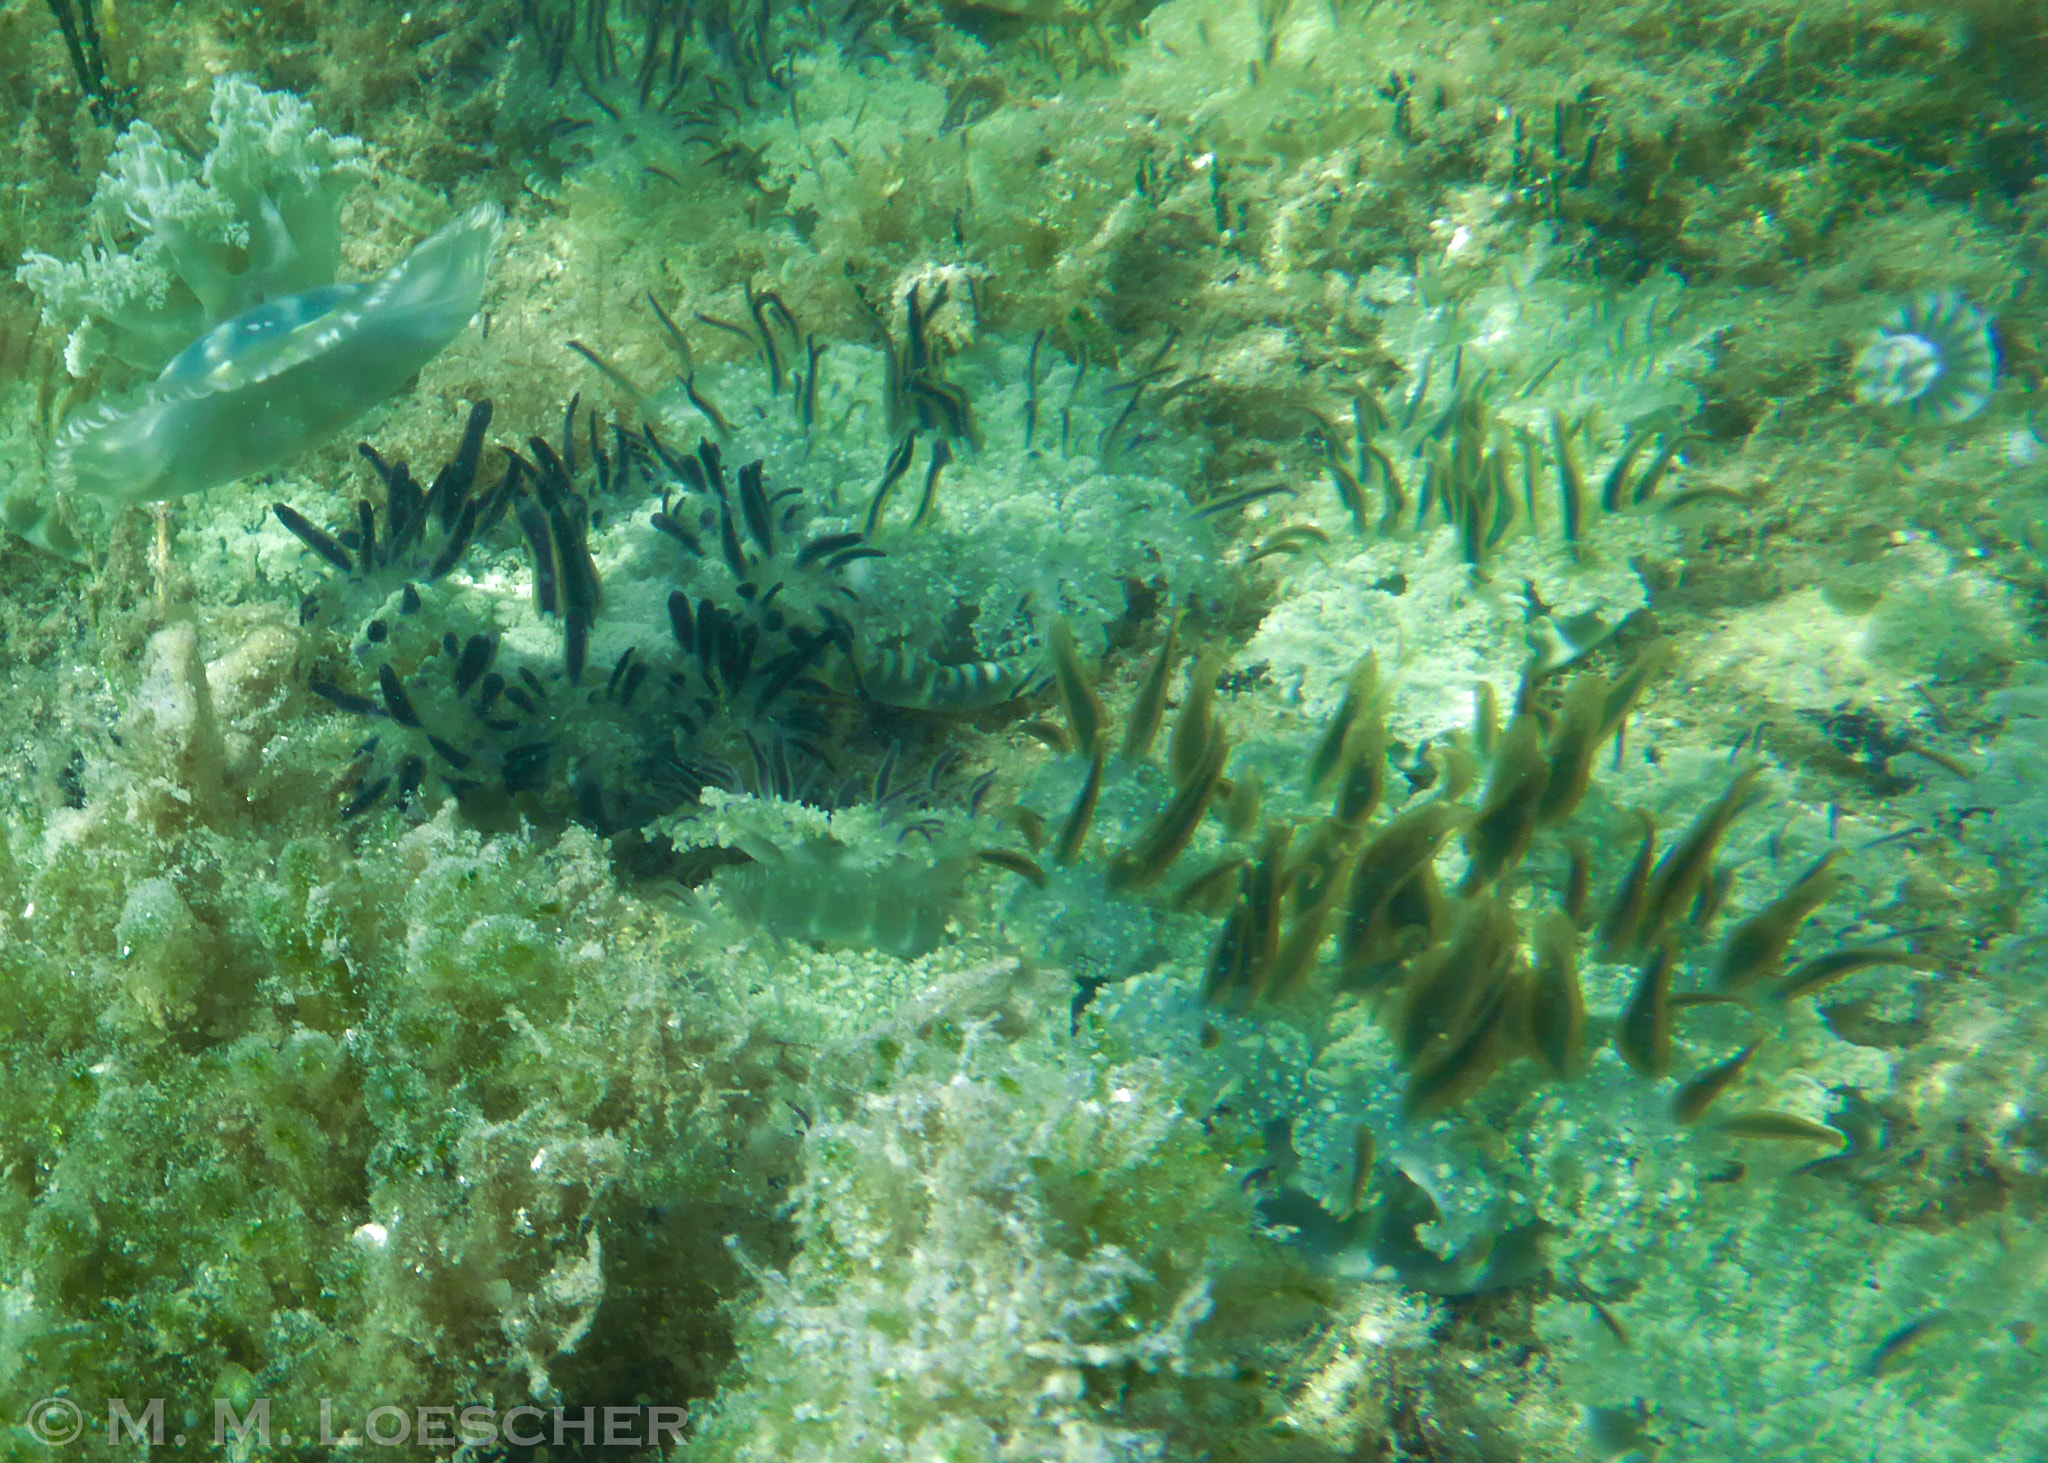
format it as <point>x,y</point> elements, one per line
<point>1220,730</point>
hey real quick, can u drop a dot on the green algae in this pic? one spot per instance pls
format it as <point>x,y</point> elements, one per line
<point>414,1113</point>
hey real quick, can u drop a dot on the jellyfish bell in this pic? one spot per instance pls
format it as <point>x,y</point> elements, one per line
<point>1932,355</point>
<point>280,376</point>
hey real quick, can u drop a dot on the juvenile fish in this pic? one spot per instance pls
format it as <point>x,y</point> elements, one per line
<point>1169,833</point>
<point>1571,481</point>
<point>1085,714</point>
<point>1679,874</point>
<point>1611,1321</point>
<point>1824,970</point>
<point>1363,781</point>
<point>1395,855</point>
<point>1557,1005</point>
<point>1687,1000</point>
<point>1195,727</point>
<point>1359,689</point>
<point>1207,891</point>
<point>1713,898</point>
<point>1150,708</point>
<point>1785,1127</point>
<point>1451,986</point>
<point>892,474</point>
<point>1031,823</point>
<point>1241,812</point>
<point>1893,1351</point>
<point>1755,949</point>
<point>1628,687</point>
<point>1325,859</point>
<point>1644,1036</point>
<point>1693,1099</point>
<point>1578,886</point>
<point>1625,911</point>
<point>1229,958</point>
<point>1363,1156</point>
<point>1452,1070</point>
<point>1075,831</point>
<point>1500,835</point>
<point>1574,743</point>
<point>1025,868</point>
<point>1264,889</point>
<point>1245,946</point>
<point>1048,732</point>
<point>1303,944</point>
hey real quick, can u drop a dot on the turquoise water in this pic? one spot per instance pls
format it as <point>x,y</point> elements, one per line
<point>1023,732</point>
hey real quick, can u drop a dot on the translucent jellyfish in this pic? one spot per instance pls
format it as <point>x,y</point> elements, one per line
<point>256,389</point>
<point>1932,355</point>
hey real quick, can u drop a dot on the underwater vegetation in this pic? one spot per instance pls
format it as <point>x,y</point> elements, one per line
<point>645,90</point>
<point>1079,731</point>
<point>109,103</point>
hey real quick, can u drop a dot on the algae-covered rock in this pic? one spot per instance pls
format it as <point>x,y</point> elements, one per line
<point>633,924</point>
